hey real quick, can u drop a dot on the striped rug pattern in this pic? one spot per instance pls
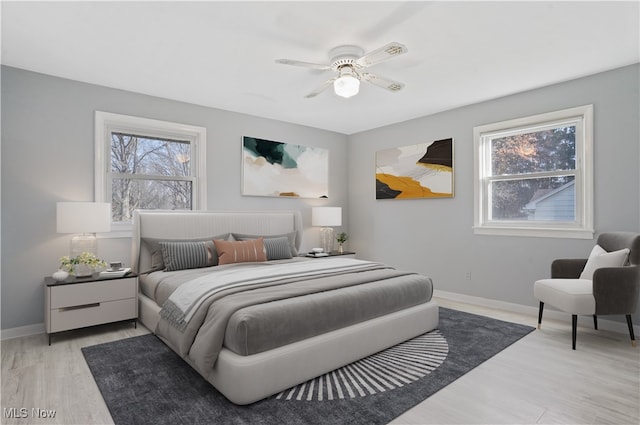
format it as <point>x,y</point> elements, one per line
<point>392,368</point>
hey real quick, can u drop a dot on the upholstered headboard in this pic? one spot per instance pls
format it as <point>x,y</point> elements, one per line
<point>195,224</point>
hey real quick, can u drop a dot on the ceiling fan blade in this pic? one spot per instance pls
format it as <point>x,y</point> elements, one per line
<point>322,88</point>
<point>382,54</point>
<point>303,64</point>
<point>385,83</point>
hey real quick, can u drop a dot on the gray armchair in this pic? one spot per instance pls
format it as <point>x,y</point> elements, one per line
<point>613,290</point>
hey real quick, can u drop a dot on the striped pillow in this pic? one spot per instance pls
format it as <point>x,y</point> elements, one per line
<point>157,258</point>
<point>277,248</point>
<point>290,236</point>
<point>188,255</point>
<point>240,251</point>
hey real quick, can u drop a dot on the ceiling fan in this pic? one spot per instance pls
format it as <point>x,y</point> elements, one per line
<point>349,62</point>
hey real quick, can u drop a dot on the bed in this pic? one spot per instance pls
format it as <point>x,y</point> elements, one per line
<point>255,328</point>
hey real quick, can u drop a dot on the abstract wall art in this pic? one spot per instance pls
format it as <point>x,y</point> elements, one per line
<point>284,170</point>
<point>417,171</point>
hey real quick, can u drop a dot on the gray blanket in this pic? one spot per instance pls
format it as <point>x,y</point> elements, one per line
<point>185,300</point>
<point>202,338</point>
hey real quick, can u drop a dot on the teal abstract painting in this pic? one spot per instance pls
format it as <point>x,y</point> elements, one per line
<point>280,169</point>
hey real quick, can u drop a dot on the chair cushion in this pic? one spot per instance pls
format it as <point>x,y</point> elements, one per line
<point>601,258</point>
<point>574,296</point>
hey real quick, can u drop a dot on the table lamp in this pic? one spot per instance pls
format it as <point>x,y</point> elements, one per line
<point>325,217</point>
<point>86,219</point>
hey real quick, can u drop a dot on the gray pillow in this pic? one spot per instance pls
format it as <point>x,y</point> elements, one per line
<point>290,236</point>
<point>153,245</point>
<point>188,255</point>
<point>277,248</point>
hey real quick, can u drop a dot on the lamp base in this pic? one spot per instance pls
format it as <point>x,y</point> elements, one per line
<point>85,242</point>
<point>326,239</point>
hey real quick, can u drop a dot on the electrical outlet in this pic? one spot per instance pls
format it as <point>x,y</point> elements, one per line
<point>467,275</point>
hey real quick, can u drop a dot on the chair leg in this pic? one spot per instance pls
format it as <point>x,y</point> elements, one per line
<point>633,337</point>
<point>540,314</point>
<point>574,330</point>
<point>595,322</point>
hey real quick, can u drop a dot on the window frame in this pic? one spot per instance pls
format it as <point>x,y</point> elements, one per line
<point>582,227</point>
<point>108,122</point>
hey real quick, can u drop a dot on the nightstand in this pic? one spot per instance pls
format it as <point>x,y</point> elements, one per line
<point>80,302</point>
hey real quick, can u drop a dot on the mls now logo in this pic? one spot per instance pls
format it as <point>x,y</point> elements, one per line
<point>23,412</point>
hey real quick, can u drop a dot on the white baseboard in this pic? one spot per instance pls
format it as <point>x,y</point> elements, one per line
<point>28,330</point>
<point>608,325</point>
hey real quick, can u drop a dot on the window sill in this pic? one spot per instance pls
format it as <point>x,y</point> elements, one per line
<point>539,232</point>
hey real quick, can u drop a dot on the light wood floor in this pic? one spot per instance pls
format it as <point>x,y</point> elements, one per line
<point>539,379</point>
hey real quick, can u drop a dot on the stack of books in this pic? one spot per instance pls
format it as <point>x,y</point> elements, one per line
<point>317,254</point>
<point>115,273</point>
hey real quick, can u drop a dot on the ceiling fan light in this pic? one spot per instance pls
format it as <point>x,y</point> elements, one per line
<point>346,86</point>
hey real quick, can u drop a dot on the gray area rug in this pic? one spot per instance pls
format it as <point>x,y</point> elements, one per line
<point>143,382</point>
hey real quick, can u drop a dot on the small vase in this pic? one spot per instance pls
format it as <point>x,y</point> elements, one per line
<point>82,270</point>
<point>60,275</point>
<point>340,249</point>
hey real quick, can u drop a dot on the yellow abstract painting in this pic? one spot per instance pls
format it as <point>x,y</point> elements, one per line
<point>423,170</point>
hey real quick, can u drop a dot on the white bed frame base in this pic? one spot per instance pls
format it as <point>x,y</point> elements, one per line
<point>247,379</point>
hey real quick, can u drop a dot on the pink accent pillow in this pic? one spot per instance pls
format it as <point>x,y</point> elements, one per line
<point>230,252</point>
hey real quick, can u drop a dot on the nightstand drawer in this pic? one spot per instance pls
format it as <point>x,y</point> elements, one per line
<point>92,292</point>
<point>90,314</point>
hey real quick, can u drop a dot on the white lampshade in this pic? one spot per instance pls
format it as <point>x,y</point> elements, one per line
<point>83,217</point>
<point>326,216</point>
<point>86,218</point>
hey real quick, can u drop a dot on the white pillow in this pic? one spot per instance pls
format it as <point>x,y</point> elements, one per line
<point>600,258</point>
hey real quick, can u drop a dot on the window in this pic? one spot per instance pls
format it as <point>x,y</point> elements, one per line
<point>148,164</point>
<point>534,175</point>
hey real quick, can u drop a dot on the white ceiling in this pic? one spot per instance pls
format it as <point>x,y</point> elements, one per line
<point>221,54</point>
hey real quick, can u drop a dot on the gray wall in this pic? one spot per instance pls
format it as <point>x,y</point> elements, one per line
<point>435,236</point>
<point>48,154</point>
